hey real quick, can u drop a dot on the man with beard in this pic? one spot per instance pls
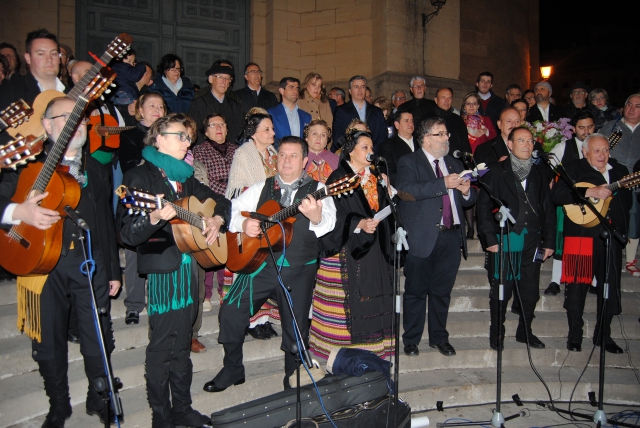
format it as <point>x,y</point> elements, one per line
<point>433,196</point>
<point>544,110</point>
<point>66,278</point>
<point>523,187</point>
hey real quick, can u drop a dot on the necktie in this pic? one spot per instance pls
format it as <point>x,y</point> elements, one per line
<point>447,214</point>
<point>254,97</point>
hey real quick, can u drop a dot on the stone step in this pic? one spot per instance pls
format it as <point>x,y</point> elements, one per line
<point>421,389</point>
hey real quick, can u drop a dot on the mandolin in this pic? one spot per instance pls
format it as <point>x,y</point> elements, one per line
<point>582,215</point>
<point>15,114</point>
<point>187,227</point>
<point>104,132</point>
<point>246,254</point>
<point>18,151</point>
<point>28,250</point>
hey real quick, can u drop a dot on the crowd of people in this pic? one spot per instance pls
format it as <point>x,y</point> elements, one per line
<point>244,149</point>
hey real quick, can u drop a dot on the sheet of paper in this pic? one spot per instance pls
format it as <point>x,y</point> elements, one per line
<point>381,215</point>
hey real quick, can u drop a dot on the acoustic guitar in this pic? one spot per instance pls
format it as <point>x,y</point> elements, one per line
<point>104,132</point>
<point>28,250</point>
<point>582,215</point>
<point>246,254</point>
<point>18,151</point>
<point>187,227</point>
<point>15,114</point>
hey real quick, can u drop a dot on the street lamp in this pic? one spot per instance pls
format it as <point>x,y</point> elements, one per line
<point>546,72</point>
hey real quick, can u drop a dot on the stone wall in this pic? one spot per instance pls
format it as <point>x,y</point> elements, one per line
<point>19,17</point>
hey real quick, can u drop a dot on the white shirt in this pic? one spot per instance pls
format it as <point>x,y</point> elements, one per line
<point>445,172</point>
<point>248,201</point>
<point>605,174</point>
<point>59,86</point>
<point>544,111</point>
<point>409,142</point>
<point>631,127</point>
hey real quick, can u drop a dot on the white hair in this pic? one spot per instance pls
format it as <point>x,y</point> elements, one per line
<point>585,143</point>
<point>393,96</point>
<point>414,78</point>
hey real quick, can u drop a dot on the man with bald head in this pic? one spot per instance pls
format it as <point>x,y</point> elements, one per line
<point>544,110</point>
<point>585,244</point>
<point>66,278</point>
<point>459,138</point>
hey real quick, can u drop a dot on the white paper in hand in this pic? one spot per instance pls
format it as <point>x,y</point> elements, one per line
<point>381,215</point>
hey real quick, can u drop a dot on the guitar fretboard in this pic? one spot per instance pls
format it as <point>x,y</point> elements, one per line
<point>292,209</point>
<point>186,215</point>
<point>113,129</point>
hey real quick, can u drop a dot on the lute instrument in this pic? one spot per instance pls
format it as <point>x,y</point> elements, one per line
<point>582,215</point>
<point>246,254</point>
<point>187,227</point>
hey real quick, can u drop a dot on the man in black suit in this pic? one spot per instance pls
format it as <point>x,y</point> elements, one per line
<point>544,110</point>
<point>490,104</point>
<point>419,106</point>
<point>253,94</point>
<point>523,187</point>
<point>586,245</point>
<point>459,138</point>
<point>496,150</point>
<point>433,196</point>
<point>399,145</point>
<point>358,108</point>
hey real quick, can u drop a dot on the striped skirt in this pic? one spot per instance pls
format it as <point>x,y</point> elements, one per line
<point>329,321</point>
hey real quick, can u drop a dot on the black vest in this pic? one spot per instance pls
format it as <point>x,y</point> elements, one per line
<point>570,151</point>
<point>527,208</point>
<point>304,245</point>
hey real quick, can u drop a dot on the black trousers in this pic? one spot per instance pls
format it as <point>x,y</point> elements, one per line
<point>528,284</point>
<point>576,294</point>
<point>431,277</point>
<point>234,318</point>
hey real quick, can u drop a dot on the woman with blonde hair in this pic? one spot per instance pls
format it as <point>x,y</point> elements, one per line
<point>313,98</point>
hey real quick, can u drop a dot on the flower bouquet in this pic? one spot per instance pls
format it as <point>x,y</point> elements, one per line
<point>548,134</point>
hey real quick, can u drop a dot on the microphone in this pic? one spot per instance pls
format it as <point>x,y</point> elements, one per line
<point>462,155</point>
<point>75,216</point>
<point>539,154</point>
<point>375,158</point>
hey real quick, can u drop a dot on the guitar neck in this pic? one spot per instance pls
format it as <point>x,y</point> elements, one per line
<point>77,90</point>
<point>292,209</point>
<point>113,129</point>
<point>55,155</point>
<point>185,215</point>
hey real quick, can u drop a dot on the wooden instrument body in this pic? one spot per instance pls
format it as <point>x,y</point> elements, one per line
<point>190,239</point>
<point>38,251</point>
<point>581,214</point>
<point>246,254</point>
<point>34,125</point>
<point>100,127</point>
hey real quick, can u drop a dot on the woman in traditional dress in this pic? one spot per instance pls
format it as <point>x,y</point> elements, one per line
<point>353,299</point>
<point>172,275</point>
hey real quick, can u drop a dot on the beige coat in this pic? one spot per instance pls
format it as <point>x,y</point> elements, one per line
<point>316,109</point>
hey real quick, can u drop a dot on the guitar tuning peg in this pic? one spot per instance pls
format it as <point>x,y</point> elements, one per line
<point>351,192</point>
<point>108,91</point>
<point>339,195</point>
<point>143,213</point>
<point>113,85</point>
<point>130,211</point>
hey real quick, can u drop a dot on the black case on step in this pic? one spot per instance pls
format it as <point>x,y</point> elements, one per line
<point>338,393</point>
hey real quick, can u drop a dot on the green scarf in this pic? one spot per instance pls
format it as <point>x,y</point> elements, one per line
<point>176,170</point>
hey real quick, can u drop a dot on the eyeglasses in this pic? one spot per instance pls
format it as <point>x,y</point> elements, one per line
<point>222,77</point>
<point>441,134</point>
<point>258,72</point>
<point>179,69</point>
<point>524,141</point>
<point>220,125</point>
<point>182,135</point>
<point>401,99</point>
<point>578,92</point>
<point>418,86</point>
<point>84,120</point>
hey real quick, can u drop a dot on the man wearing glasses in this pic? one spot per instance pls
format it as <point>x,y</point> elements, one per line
<point>419,106</point>
<point>578,95</point>
<point>523,187</point>
<point>216,101</point>
<point>253,94</point>
<point>433,196</point>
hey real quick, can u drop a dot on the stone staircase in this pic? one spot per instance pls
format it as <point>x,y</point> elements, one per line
<point>467,378</point>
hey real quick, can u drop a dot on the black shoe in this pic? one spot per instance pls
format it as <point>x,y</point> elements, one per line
<point>534,342</point>
<point>470,235</point>
<point>552,290</point>
<point>268,329</point>
<point>493,344</point>
<point>612,348</point>
<point>411,350</point>
<point>212,387</point>
<point>574,347</point>
<point>257,333</point>
<point>100,415</point>
<point>53,422</point>
<point>445,349</point>
<point>133,317</point>
<point>73,337</point>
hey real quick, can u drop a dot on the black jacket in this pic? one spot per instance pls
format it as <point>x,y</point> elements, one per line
<point>491,151</point>
<point>555,113</point>
<point>157,251</point>
<point>232,111</point>
<point>347,112</point>
<point>19,87</point>
<point>419,108</point>
<point>502,182</point>
<point>265,99</point>
<point>131,146</point>
<point>392,150</point>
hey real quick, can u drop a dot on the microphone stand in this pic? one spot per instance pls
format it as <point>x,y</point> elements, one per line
<point>109,386</point>
<point>501,217</point>
<point>398,238</point>
<point>599,417</point>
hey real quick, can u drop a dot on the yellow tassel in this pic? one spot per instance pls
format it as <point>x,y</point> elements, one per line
<point>29,289</point>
